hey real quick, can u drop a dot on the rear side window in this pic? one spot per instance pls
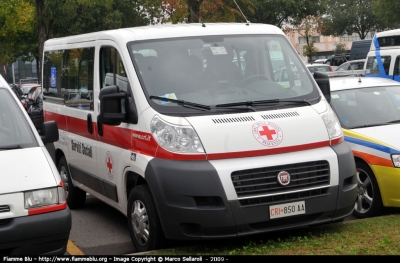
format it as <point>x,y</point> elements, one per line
<point>68,75</point>
<point>15,131</point>
<point>379,67</point>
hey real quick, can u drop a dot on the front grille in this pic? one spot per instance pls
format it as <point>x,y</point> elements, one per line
<point>263,181</point>
<point>295,220</point>
<point>283,197</point>
<point>4,208</point>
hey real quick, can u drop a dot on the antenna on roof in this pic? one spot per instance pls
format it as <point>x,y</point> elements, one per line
<point>191,12</point>
<point>358,75</point>
<point>247,21</point>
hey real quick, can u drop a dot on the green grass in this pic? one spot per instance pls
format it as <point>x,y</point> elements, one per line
<point>372,236</point>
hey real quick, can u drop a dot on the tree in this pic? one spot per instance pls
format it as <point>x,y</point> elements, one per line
<point>278,12</point>
<point>340,48</point>
<point>388,11</point>
<point>69,17</point>
<point>18,32</point>
<point>310,50</point>
<point>307,27</point>
<point>348,17</point>
<point>194,11</point>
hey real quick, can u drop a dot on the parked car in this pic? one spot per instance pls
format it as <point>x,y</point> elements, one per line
<point>320,60</point>
<point>352,65</point>
<point>34,216</point>
<point>35,111</point>
<point>17,91</point>
<point>368,109</point>
<point>337,60</point>
<point>319,67</point>
<point>25,88</point>
<point>32,96</point>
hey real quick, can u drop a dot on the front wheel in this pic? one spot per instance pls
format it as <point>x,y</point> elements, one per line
<point>369,201</point>
<point>143,221</point>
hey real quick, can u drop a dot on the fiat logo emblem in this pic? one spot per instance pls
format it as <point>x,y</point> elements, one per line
<point>283,178</point>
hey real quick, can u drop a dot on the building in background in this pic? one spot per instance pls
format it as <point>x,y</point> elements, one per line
<point>325,44</point>
<point>19,70</point>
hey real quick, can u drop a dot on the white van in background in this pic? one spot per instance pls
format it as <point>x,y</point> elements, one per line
<point>383,59</point>
<point>190,143</point>
<point>34,217</point>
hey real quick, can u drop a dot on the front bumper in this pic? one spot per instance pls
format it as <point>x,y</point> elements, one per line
<point>192,202</point>
<point>43,234</point>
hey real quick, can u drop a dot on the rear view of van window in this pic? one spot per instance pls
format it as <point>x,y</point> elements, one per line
<point>15,132</point>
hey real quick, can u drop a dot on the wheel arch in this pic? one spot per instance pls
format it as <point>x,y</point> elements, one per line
<point>361,160</point>
<point>132,180</point>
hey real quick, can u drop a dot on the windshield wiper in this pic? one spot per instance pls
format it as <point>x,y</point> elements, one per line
<point>183,103</point>
<point>10,147</point>
<point>261,102</point>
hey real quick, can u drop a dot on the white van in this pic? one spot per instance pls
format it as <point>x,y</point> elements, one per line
<point>193,144</point>
<point>34,217</point>
<point>383,59</point>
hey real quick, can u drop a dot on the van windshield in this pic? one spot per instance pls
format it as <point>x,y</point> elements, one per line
<point>15,131</point>
<point>215,70</point>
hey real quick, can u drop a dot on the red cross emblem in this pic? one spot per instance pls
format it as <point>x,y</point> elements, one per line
<point>109,165</point>
<point>267,132</point>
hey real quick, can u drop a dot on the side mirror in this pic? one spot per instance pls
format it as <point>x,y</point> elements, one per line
<point>324,85</point>
<point>49,132</point>
<point>111,101</point>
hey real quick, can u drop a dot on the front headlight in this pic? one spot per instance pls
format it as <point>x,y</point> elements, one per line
<point>180,139</point>
<point>396,160</point>
<point>332,124</point>
<point>44,197</point>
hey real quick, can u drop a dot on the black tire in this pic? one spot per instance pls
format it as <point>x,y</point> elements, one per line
<point>76,197</point>
<point>369,201</point>
<point>143,221</point>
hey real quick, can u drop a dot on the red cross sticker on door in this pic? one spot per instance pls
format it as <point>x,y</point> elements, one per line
<point>267,133</point>
<point>109,165</point>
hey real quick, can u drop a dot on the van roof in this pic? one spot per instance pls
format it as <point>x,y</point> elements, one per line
<point>168,31</point>
<point>394,32</point>
<point>392,35</point>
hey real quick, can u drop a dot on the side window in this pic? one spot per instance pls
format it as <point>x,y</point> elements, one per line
<point>68,76</point>
<point>112,70</point>
<point>397,67</point>
<point>375,66</point>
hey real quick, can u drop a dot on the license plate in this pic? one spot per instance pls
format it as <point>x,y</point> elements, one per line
<point>288,209</point>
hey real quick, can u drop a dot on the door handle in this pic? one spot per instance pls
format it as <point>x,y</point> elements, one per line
<point>90,123</point>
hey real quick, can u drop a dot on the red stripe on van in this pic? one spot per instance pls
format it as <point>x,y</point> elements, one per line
<point>216,156</point>
<point>60,119</point>
<point>144,143</point>
<point>80,127</point>
<point>337,140</point>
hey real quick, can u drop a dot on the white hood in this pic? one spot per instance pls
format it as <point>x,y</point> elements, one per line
<point>25,169</point>
<point>389,134</point>
<point>294,127</point>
